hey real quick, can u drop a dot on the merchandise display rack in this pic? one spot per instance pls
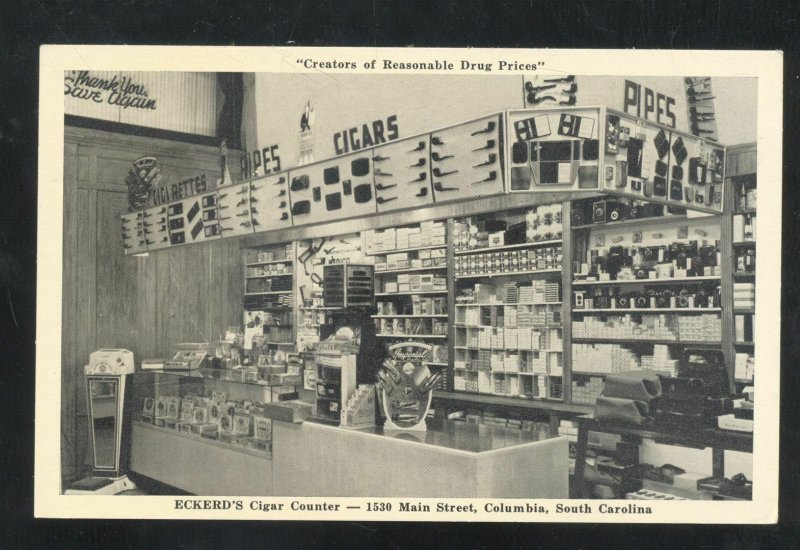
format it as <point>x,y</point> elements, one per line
<point>741,185</point>
<point>276,262</point>
<point>408,325</point>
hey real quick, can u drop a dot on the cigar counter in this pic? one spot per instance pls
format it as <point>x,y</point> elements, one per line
<point>490,277</point>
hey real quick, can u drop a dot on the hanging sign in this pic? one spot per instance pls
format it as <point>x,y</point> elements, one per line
<point>122,91</point>
<point>366,135</point>
<point>648,104</point>
<point>146,186</point>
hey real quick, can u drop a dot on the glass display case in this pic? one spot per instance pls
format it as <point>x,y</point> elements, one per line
<point>223,406</point>
<point>184,422</point>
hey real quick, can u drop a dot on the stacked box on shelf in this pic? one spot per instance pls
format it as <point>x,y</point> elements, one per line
<point>586,391</point>
<point>699,327</point>
<point>603,358</point>
<point>743,327</point>
<point>512,261</point>
<point>744,366</point>
<point>744,295</point>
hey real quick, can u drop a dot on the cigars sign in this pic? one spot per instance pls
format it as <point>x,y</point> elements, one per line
<point>116,90</point>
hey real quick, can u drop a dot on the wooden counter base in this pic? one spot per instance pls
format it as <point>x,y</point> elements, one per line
<point>311,459</point>
<point>317,460</point>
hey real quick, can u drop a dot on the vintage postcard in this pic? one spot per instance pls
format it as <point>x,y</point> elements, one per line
<point>408,284</point>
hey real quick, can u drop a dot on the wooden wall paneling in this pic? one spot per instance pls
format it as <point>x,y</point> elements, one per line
<point>146,302</point>
<point>83,331</point>
<point>117,297</point>
<point>68,312</point>
<point>174,316</point>
<point>162,268</point>
<point>213,284</point>
<point>197,302</point>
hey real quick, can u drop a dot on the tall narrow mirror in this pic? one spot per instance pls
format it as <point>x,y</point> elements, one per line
<point>104,408</point>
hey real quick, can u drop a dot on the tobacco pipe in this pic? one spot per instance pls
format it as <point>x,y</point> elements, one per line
<point>435,156</point>
<point>529,87</point>
<point>379,172</point>
<point>382,187</point>
<point>492,159</point>
<point>439,187</point>
<point>423,192</point>
<point>700,117</point>
<point>695,93</point>
<point>697,130</point>
<point>378,158</point>
<point>254,188</point>
<point>571,90</point>
<point>491,177</point>
<point>284,216</point>
<point>489,128</point>
<point>381,200</point>
<point>435,140</point>
<point>420,146</point>
<point>695,111</point>
<point>489,145</point>
<point>281,194</point>
<point>692,83</point>
<point>242,191</point>
<point>439,174</point>
<point>568,78</point>
<point>422,177</point>
<point>570,101</point>
<point>694,99</point>
<point>281,179</point>
<point>532,99</point>
<point>420,162</point>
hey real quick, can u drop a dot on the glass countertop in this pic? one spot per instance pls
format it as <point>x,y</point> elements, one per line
<point>463,436</point>
<point>229,375</point>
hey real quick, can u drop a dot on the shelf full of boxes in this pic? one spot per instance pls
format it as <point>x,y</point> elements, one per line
<point>411,288</point>
<point>507,312</point>
<point>742,186</point>
<point>641,293</point>
<point>268,293</point>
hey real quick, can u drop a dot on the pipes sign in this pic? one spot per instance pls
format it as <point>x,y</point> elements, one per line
<point>646,103</point>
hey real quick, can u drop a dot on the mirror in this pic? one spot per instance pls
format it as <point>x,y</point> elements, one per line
<point>104,411</point>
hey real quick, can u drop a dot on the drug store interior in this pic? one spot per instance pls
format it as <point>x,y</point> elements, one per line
<point>516,286</point>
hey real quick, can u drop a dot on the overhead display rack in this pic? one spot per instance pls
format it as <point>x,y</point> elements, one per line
<point>569,149</point>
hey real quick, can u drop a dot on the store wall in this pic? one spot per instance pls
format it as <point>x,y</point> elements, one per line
<point>110,300</point>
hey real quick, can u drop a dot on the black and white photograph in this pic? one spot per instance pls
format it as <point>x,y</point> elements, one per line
<point>409,284</point>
